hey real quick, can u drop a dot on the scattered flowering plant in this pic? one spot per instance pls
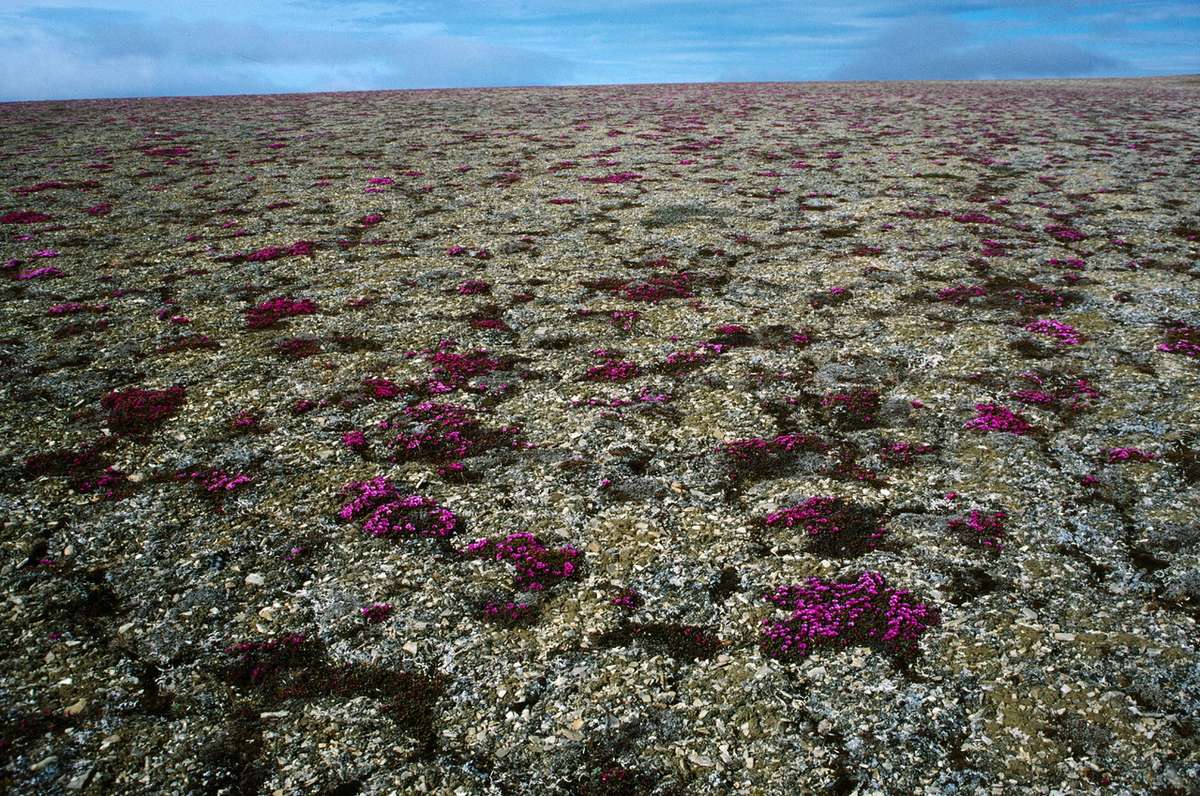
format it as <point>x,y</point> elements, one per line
<point>215,483</point>
<point>453,371</point>
<point>536,566</point>
<point>189,342</point>
<point>46,272</point>
<point>1057,391</point>
<point>85,468</point>
<point>1064,233</point>
<point>658,288</point>
<point>474,287</point>
<point>355,440</point>
<point>628,600</point>
<point>74,307</point>
<point>508,613</point>
<point>617,178</point>
<point>376,612</point>
<point>445,433</point>
<point>112,484</point>
<point>834,526</point>
<point>1063,332</point>
<point>613,370</point>
<point>981,528</point>
<point>245,214</point>
<point>1123,455</point>
<point>258,662</point>
<point>861,611</point>
<point>380,388</point>
<point>974,218</point>
<point>1181,338</point>
<point>961,294</point>
<point>297,347</point>
<point>269,313</point>
<point>24,217</point>
<point>678,362</point>
<point>387,512</point>
<point>135,411</point>
<point>246,422</point>
<point>301,248</point>
<point>994,417</point>
<point>852,409</point>
<point>757,456</point>
<point>903,454</point>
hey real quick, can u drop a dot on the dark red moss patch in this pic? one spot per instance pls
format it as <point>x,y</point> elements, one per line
<point>852,409</point>
<point>135,411</point>
<point>680,641</point>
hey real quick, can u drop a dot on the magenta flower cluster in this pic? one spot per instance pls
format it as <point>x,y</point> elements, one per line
<point>297,347</point>
<point>301,248</point>
<point>980,527</point>
<point>1182,339</point>
<point>1057,391</point>
<point>473,287</point>
<point>1064,233</point>
<point>617,178</point>
<point>683,361</point>
<point>834,526</point>
<point>376,612</point>
<point>355,440</point>
<point>758,454</point>
<point>390,513</point>
<point>453,371</point>
<point>381,388</point>
<point>73,307</point>
<point>269,313</point>
<point>24,217</point>
<point>1064,333</point>
<point>628,600</point>
<point>903,454</point>
<point>1122,455</point>
<point>112,484</point>
<point>75,464</point>
<point>863,611</point>
<point>658,288</point>
<point>216,483</point>
<point>45,272</point>
<point>994,417</point>
<point>536,566</point>
<point>612,369</point>
<point>446,433</point>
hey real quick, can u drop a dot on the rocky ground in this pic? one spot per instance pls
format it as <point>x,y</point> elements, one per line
<point>737,439</point>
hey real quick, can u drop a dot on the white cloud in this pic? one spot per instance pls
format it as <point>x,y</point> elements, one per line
<point>939,48</point>
<point>130,56</point>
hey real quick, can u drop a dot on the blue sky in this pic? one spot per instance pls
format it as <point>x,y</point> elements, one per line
<point>132,48</point>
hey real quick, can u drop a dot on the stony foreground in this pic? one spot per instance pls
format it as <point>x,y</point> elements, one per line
<point>740,439</point>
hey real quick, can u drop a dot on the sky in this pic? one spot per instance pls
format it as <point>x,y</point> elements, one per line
<point>139,48</point>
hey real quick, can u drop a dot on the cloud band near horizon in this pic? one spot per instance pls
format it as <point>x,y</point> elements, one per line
<point>131,48</point>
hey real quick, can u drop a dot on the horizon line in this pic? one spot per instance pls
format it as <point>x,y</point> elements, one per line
<point>553,86</point>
